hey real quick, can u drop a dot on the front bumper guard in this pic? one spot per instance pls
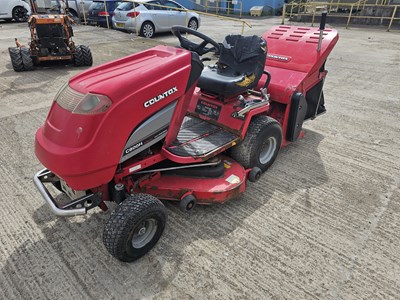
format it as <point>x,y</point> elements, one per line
<point>68,210</point>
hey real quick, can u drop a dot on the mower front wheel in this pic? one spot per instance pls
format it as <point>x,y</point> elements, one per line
<point>187,203</point>
<point>261,144</point>
<point>134,227</point>
<point>83,56</point>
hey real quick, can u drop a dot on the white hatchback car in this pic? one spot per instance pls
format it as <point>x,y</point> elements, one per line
<point>82,8</point>
<point>150,19</point>
<point>14,9</point>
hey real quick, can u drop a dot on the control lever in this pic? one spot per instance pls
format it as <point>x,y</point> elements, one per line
<point>249,105</point>
<point>264,94</point>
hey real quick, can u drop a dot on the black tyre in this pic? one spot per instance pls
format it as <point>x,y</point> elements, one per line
<point>187,203</point>
<point>83,56</point>
<point>73,14</point>
<point>27,59</point>
<point>134,227</point>
<point>261,144</point>
<point>193,24</point>
<point>20,14</point>
<point>255,174</point>
<point>16,59</point>
<point>147,30</point>
<point>20,59</point>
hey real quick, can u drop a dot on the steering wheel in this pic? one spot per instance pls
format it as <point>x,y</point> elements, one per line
<point>201,48</point>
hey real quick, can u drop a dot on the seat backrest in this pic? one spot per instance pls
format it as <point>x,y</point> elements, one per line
<point>242,55</point>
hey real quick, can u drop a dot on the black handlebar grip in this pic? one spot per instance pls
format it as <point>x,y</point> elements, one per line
<point>323,21</point>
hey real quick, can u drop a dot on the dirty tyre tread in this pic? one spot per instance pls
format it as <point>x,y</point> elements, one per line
<point>246,152</point>
<point>129,214</point>
<point>87,55</point>
<point>83,56</point>
<point>16,59</point>
<point>27,59</point>
<point>78,57</point>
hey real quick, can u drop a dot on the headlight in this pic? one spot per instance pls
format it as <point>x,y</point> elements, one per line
<point>77,103</point>
<point>92,104</point>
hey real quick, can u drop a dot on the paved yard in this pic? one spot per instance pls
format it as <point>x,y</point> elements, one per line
<point>322,223</point>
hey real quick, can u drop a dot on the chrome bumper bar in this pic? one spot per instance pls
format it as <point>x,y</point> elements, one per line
<point>44,176</point>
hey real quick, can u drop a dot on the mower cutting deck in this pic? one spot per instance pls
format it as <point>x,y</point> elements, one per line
<point>160,125</point>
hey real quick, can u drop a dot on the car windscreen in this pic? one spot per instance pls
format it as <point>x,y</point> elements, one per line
<point>113,5</point>
<point>97,6</point>
<point>149,5</point>
<point>100,5</point>
<point>171,5</point>
<point>125,6</point>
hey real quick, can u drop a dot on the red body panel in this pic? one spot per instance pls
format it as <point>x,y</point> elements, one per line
<point>293,59</point>
<point>129,82</point>
<point>295,65</point>
<point>295,48</point>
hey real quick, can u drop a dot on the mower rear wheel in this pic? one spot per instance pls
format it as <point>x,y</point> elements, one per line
<point>20,59</point>
<point>83,56</point>
<point>261,144</point>
<point>134,227</point>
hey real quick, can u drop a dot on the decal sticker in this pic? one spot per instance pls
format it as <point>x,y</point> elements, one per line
<point>132,148</point>
<point>145,141</point>
<point>233,179</point>
<point>135,168</point>
<point>279,57</point>
<point>208,109</point>
<point>227,164</point>
<point>161,133</point>
<point>160,97</point>
<point>246,81</point>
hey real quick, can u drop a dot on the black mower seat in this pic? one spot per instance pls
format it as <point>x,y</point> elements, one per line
<point>239,67</point>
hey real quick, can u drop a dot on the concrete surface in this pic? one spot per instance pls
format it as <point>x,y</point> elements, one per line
<point>322,223</point>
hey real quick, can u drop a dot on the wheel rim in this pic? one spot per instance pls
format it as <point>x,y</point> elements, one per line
<point>20,13</point>
<point>193,25</point>
<point>267,150</point>
<point>148,30</point>
<point>144,233</point>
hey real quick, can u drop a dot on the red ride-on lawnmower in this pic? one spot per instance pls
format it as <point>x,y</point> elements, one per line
<point>159,125</point>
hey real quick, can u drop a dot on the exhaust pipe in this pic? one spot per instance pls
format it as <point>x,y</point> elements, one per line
<point>321,30</point>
